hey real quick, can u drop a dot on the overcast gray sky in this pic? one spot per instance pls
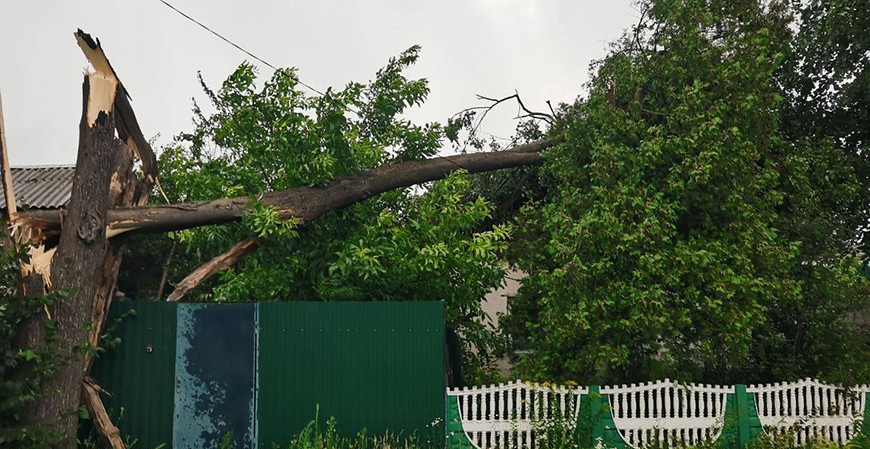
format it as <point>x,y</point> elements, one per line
<point>489,47</point>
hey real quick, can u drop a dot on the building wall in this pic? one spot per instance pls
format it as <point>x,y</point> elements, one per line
<point>495,305</point>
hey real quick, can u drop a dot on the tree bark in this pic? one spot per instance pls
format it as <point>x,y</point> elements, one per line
<point>304,203</point>
<point>76,264</point>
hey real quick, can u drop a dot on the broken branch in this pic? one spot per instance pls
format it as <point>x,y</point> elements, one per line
<point>223,261</point>
<point>304,203</point>
<point>91,397</point>
<point>6,173</point>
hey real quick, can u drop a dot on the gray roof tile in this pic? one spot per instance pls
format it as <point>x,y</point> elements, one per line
<point>41,187</point>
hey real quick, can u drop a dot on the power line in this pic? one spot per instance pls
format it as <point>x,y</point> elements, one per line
<point>261,60</point>
<point>232,43</point>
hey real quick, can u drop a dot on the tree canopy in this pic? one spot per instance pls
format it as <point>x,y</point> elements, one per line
<point>402,245</point>
<point>704,224</point>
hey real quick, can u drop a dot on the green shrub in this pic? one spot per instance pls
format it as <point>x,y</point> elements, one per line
<point>313,436</point>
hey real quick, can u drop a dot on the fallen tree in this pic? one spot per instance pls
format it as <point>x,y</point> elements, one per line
<point>108,199</point>
<point>301,203</point>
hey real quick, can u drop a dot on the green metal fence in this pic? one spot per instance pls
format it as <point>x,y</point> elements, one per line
<point>185,375</point>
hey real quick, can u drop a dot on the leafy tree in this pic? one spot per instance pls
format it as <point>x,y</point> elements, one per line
<point>399,246</point>
<point>825,178</point>
<point>685,235</point>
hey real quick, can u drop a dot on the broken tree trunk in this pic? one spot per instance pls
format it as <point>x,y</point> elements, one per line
<point>84,262</point>
<point>75,267</point>
<point>304,203</point>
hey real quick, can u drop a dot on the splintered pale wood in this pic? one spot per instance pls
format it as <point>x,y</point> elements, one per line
<point>6,173</point>
<point>221,262</point>
<point>101,96</point>
<point>125,119</point>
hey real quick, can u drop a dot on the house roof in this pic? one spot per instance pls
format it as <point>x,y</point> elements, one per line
<point>42,186</point>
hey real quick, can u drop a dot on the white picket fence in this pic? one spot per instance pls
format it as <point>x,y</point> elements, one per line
<point>810,409</point>
<point>506,416</point>
<point>667,412</point>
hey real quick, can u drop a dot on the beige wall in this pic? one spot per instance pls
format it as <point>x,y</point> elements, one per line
<point>495,305</point>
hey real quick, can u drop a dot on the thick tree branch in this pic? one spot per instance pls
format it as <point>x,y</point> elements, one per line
<point>304,203</point>
<point>238,251</point>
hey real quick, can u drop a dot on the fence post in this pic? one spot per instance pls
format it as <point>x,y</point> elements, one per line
<point>595,426</point>
<point>865,425</point>
<point>742,424</point>
<point>455,436</point>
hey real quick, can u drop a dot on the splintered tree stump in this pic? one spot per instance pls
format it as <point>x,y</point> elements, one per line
<point>75,266</point>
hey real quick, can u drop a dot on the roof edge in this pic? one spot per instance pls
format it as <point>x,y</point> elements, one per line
<point>42,166</point>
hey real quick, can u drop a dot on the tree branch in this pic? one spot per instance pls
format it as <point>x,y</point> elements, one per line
<point>303,203</point>
<point>91,397</point>
<point>223,261</point>
<point>5,173</point>
<point>165,275</point>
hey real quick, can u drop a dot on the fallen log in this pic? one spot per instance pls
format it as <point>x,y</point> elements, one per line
<point>302,203</point>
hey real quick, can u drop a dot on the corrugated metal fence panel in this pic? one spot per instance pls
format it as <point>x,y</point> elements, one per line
<point>140,372</point>
<point>376,366</point>
<point>215,375</point>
